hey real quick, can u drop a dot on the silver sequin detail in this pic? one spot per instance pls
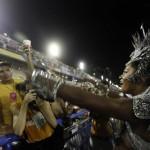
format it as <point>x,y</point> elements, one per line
<point>141,105</point>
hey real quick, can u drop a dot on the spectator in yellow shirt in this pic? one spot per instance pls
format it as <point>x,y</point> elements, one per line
<point>8,97</point>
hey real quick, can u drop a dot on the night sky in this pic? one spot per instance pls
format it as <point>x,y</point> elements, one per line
<point>97,33</point>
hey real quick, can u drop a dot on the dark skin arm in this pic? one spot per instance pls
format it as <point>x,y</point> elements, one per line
<point>120,108</point>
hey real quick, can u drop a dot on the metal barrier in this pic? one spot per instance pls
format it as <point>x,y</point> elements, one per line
<point>7,141</point>
<point>77,136</point>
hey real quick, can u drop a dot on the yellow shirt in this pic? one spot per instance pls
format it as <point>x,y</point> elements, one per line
<point>8,96</point>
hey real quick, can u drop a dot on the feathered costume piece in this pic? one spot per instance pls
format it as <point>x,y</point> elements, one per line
<point>141,55</point>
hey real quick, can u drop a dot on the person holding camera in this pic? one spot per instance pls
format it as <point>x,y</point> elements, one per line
<point>23,113</point>
<point>34,120</point>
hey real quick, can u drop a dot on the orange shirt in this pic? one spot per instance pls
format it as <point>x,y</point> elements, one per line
<point>37,131</point>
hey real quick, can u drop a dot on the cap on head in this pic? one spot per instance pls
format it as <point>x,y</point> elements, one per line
<point>4,63</point>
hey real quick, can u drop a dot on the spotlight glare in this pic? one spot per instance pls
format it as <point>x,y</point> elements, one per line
<point>82,65</point>
<point>53,49</point>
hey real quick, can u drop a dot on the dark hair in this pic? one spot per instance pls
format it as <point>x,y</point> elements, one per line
<point>135,64</point>
<point>21,86</point>
<point>136,77</point>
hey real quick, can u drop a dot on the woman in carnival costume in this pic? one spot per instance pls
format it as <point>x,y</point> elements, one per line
<point>134,110</point>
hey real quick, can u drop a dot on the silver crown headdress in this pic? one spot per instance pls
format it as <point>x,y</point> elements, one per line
<point>141,54</point>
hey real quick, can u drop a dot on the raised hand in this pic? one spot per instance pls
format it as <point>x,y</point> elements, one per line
<point>26,46</point>
<point>28,51</point>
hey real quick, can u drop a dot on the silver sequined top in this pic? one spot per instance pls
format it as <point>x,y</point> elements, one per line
<point>141,107</point>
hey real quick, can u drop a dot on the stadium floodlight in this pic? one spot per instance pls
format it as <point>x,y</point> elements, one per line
<point>54,49</point>
<point>81,65</point>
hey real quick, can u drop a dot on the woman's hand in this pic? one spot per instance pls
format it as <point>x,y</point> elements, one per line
<point>29,97</point>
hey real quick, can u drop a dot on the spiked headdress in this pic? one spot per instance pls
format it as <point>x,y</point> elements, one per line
<point>141,54</point>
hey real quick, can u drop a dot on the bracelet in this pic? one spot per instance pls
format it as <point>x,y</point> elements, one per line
<point>41,80</point>
<point>56,88</point>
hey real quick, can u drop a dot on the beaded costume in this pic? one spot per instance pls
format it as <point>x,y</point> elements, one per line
<point>141,102</point>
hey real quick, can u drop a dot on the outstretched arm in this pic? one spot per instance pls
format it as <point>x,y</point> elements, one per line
<point>120,108</point>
